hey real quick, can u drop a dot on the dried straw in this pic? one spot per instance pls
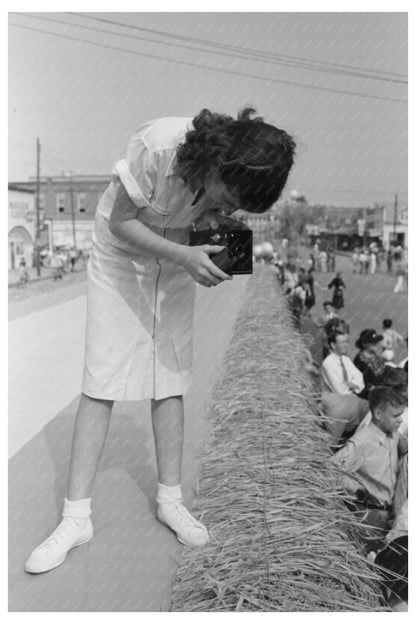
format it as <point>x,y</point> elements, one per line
<point>281,538</point>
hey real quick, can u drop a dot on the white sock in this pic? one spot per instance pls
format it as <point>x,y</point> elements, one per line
<point>77,509</point>
<point>167,494</point>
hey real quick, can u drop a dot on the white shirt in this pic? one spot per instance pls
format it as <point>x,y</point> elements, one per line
<point>391,338</point>
<point>332,376</point>
<point>291,279</point>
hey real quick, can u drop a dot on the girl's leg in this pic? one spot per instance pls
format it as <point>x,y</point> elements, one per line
<point>168,431</point>
<point>90,434</point>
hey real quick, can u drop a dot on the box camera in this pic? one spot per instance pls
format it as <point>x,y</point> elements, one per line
<point>237,257</point>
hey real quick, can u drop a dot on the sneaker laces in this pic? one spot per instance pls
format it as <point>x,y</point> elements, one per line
<point>61,531</point>
<point>183,516</point>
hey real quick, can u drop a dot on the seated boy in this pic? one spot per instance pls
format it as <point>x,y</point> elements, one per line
<point>329,313</point>
<point>370,460</point>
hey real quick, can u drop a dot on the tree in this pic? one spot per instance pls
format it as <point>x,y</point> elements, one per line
<point>293,218</point>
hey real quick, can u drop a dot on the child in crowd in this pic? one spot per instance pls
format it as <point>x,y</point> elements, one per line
<point>370,461</point>
<point>368,359</point>
<point>23,274</point>
<point>391,340</point>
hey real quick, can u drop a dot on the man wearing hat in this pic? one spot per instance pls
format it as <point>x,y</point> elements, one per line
<point>369,359</point>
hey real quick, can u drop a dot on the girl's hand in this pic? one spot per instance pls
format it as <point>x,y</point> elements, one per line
<point>200,267</point>
<point>209,220</point>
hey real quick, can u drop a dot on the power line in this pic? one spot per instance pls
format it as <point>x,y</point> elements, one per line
<point>354,191</point>
<point>251,51</point>
<point>216,69</point>
<point>245,53</point>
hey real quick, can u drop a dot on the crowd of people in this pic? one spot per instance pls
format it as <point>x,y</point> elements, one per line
<point>322,259</point>
<point>365,259</point>
<point>61,260</point>
<point>369,260</point>
<point>364,407</point>
<point>299,286</point>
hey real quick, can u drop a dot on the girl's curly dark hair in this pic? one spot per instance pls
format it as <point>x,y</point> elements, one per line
<point>253,158</point>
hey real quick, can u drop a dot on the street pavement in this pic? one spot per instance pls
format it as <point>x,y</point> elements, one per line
<point>44,283</point>
<point>130,563</point>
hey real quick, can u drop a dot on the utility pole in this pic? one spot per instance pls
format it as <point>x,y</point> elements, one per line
<point>71,190</point>
<point>365,227</point>
<point>395,218</point>
<point>68,174</point>
<point>37,242</point>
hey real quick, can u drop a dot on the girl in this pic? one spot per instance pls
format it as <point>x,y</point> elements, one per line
<point>141,290</point>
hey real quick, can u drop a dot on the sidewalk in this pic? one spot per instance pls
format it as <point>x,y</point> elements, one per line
<point>45,273</point>
<point>14,275</point>
<point>44,283</point>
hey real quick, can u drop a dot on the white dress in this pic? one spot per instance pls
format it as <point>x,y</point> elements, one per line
<point>140,309</point>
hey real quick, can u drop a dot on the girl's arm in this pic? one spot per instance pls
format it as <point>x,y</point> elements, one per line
<point>125,226</point>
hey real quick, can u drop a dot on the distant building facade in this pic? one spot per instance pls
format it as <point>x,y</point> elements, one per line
<point>21,225</point>
<point>67,205</point>
<point>395,226</point>
<point>348,227</point>
<point>265,226</point>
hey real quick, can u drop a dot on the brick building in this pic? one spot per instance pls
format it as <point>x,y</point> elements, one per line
<point>67,206</point>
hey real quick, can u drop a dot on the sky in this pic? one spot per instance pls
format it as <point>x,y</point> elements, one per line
<point>82,85</point>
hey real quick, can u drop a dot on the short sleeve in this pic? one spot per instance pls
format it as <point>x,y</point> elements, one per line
<point>349,456</point>
<point>137,173</point>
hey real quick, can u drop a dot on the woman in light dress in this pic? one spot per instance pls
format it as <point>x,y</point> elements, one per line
<point>142,275</point>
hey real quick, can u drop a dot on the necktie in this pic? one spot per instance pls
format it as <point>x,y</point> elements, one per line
<point>344,370</point>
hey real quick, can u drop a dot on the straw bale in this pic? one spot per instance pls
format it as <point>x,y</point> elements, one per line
<point>281,537</point>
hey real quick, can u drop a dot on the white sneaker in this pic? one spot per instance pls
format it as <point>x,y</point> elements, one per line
<point>52,552</point>
<point>188,530</point>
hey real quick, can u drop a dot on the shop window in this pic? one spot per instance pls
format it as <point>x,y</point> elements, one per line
<point>60,202</point>
<point>82,202</point>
